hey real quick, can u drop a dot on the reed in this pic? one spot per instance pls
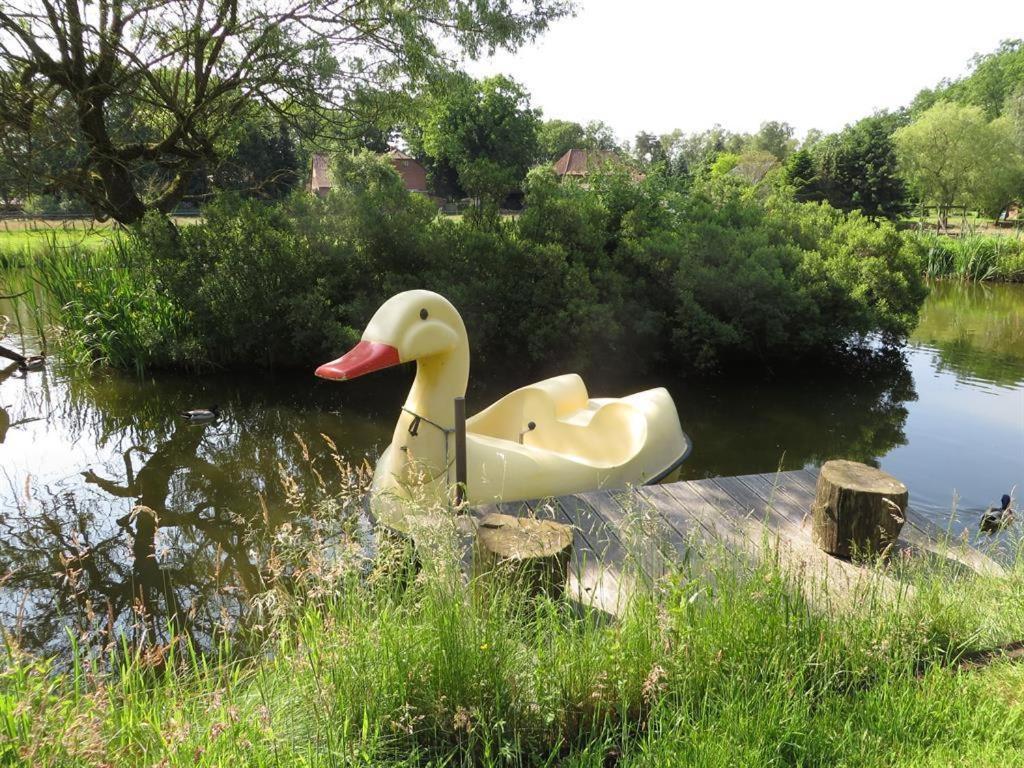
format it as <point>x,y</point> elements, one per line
<point>973,258</point>
<point>97,305</point>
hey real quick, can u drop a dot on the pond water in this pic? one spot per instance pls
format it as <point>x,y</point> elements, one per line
<point>945,415</point>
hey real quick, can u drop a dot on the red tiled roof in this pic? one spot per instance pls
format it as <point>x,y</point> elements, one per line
<point>579,162</point>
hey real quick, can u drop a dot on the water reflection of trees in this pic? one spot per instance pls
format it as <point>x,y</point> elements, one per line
<point>170,534</point>
<point>976,330</point>
<point>852,407</point>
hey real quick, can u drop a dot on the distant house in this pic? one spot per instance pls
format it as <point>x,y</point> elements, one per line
<point>320,180</point>
<point>580,162</point>
<point>414,175</point>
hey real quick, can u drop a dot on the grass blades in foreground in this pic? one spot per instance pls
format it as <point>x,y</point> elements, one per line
<point>373,673</point>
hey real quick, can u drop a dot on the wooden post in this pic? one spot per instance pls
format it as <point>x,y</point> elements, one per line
<point>857,508</point>
<point>460,451</point>
<point>532,555</point>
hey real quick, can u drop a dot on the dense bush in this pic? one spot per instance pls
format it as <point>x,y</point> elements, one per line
<point>621,273</point>
<point>714,273</point>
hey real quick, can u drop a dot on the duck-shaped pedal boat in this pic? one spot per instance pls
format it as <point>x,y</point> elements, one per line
<point>546,439</point>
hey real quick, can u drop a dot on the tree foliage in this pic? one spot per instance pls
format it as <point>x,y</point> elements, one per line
<point>954,156</point>
<point>994,78</point>
<point>802,175</point>
<point>556,137</point>
<point>857,169</point>
<point>775,138</point>
<point>135,87</point>
<point>647,272</point>
<point>485,130</point>
<point>263,164</point>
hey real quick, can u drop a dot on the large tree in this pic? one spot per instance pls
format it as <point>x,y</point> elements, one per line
<point>485,130</point>
<point>858,168</point>
<point>775,138</point>
<point>950,153</point>
<point>994,77</point>
<point>597,134</point>
<point>556,137</point>
<point>263,164</point>
<point>1001,181</point>
<point>127,91</point>
<point>802,174</point>
<point>648,148</point>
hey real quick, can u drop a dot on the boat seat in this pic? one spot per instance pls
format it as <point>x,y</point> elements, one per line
<point>601,434</point>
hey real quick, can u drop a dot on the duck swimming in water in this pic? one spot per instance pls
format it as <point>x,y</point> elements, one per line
<point>995,519</point>
<point>25,362</point>
<point>33,363</point>
<point>202,415</point>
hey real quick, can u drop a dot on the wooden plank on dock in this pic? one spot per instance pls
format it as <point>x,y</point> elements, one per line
<point>624,537</point>
<point>597,579</point>
<point>723,531</point>
<point>821,576</point>
<point>640,531</point>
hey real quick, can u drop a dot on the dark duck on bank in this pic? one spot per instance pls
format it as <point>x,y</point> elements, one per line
<point>994,519</point>
<point>202,415</point>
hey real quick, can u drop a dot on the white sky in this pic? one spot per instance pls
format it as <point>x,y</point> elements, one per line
<point>658,65</point>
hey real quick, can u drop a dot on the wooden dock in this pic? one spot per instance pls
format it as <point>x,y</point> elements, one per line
<point>638,534</point>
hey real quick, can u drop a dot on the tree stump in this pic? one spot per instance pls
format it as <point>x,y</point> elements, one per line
<point>530,555</point>
<point>857,508</point>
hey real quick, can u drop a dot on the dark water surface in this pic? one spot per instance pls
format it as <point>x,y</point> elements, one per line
<point>946,416</point>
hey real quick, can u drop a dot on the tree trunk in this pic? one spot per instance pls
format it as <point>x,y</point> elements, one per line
<point>531,556</point>
<point>111,189</point>
<point>857,509</point>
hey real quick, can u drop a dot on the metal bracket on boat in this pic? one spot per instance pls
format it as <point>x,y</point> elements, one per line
<point>530,426</point>
<point>414,429</point>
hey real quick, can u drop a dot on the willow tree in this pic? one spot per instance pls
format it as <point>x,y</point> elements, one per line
<point>121,102</point>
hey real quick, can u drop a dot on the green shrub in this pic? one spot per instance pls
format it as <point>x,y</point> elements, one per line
<point>622,274</point>
<point>714,273</point>
<point>49,205</point>
<point>252,287</point>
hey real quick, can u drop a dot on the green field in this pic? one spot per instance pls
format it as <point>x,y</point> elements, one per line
<point>20,237</point>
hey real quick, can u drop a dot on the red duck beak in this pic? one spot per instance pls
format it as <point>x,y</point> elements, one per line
<point>364,357</point>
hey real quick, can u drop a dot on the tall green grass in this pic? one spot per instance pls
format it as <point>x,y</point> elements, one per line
<point>731,666</point>
<point>970,257</point>
<point>98,305</point>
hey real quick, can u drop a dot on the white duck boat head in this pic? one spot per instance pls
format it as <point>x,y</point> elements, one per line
<point>545,439</point>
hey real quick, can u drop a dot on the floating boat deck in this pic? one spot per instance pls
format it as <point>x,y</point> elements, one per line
<point>625,536</point>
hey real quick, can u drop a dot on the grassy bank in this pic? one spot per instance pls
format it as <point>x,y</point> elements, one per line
<point>738,669</point>
<point>970,257</point>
